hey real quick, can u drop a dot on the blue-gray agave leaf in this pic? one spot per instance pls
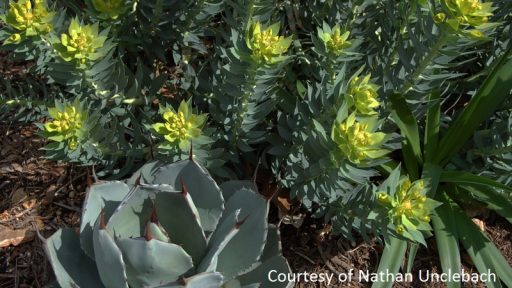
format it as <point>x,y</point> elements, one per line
<point>71,266</point>
<point>201,280</point>
<point>250,240</point>
<point>175,211</point>
<point>202,188</point>
<point>225,231</point>
<point>104,196</point>
<point>152,262</point>
<point>108,256</point>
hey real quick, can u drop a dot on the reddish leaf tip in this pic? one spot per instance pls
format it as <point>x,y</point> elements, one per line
<point>184,190</point>
<point>240,223</point>
<point>148,232</point>
<point>102,219</point>
<point>153,216</point>
<point>137,181</point>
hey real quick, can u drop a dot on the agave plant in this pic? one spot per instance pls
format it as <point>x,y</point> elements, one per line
<point>169,226</point>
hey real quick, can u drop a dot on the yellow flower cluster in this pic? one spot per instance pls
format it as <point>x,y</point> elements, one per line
<point>357,141</point>
<point>467,13</point>
<point>334,40</point>
<point>110,8</point>
<point>180,127</point>
<point>66,125</point>
<point>176,125</point>
<point>81,43</point>
<point>409,207</point>
<point>356,138</point>
<point>471,12</point>
<point>266,45</point>
<point>30,20</point>
<point>364,95</point>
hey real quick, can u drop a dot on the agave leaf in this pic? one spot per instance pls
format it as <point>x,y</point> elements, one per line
<point>202,188</point>
<point>250,240</point>
<point>106,196</point>
<point>273,244</point>
<point>230,187</point>
<point>218,241</point>
<point>129,219</point>
<point>109,259</point>
<point>176,215</point>
<point>202,280</point>
<point>152,262</point>
<point>145,172</point>
<point>157,232</point>
<point>260,274</point>
<point>71,266</point>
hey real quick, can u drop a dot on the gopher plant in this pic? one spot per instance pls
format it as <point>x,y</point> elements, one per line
<point>169,226</point>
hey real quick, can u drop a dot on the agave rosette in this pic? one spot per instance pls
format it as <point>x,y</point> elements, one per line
<point>169,226</point>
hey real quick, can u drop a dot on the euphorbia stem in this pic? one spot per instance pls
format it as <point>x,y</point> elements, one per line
<point>250,12</point>
<point>243,104</point>
<point>432,53</point>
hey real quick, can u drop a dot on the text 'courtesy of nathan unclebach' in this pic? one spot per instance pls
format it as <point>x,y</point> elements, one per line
<point>384,276</point>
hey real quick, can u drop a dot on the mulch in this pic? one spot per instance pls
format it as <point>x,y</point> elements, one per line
<point>38,194</point>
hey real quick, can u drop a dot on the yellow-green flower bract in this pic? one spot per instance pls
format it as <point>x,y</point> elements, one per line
<point>110,8</point>
<point>66,124</point>
<point>81,43</point>
<point>180,127</point>
<point>30,20</point>
<point>409,207</point>
<point>469,12</point>
<point>266,45</point>
<point>336,42</point>
<point>364,95</point>
<point>357,141</point>
<point>15,38</point>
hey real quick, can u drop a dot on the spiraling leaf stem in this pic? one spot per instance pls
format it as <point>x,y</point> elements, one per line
<point>243,104</point>
<point>429,57</point>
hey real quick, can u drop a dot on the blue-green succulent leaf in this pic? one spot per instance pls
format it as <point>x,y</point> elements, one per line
<point>260,274</point>
<point>109,259</point>
<point>157,232</point>
<point>273,244</point>
<point>202,188</point>
<point>106,196</point>
<point>71,266</point>
<point>176,215</point>
<point>218,241</point>
<point>201,280</point>
<point>153,262</point>
<point>230,187</point>
<point>250,240</point>
<point>145,172</point>
<point>129,219</point>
